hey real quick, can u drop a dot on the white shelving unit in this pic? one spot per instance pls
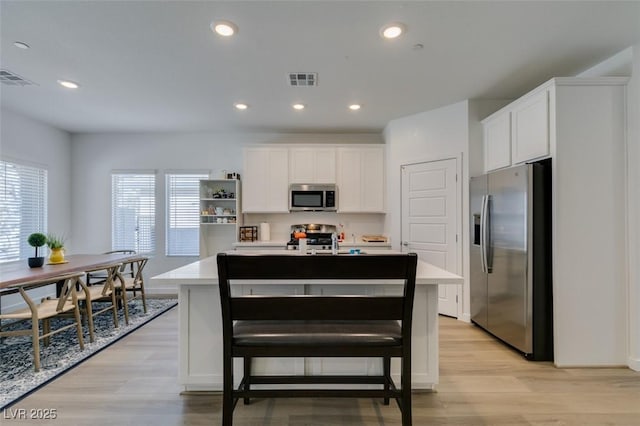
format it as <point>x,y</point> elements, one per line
<point>220,215</point>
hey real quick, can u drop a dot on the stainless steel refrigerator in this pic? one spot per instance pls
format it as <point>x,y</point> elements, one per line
<point>510,256</point>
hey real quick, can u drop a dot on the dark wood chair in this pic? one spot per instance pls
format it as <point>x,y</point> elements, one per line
<point>316,326</point>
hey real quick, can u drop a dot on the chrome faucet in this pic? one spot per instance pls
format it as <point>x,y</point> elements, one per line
<point>334,243</point>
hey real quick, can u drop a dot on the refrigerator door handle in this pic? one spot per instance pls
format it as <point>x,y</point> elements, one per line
<point>483,241</point>
<point>485,233</point>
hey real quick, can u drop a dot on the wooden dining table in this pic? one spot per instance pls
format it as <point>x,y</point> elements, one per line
<point>18,273</point>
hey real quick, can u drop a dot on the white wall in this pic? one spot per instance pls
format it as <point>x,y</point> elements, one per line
<point>31,142</point>
<point>428,136</point>
<point>95,156</point>
<point>450,131</point>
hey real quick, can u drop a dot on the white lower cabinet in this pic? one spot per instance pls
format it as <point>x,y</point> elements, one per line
<point>201,336</point>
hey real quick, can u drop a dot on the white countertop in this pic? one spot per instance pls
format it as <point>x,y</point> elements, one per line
<point>205,272</point>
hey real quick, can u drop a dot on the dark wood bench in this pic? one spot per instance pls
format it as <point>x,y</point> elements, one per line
<point>317,326</point>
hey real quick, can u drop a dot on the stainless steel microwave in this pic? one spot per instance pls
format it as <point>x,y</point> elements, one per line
<point>313,198</point>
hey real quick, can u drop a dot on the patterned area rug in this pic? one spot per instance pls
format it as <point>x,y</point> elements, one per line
<point>17,375</point>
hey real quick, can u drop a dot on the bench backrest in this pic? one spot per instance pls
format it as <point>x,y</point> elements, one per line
<point>280,268</point>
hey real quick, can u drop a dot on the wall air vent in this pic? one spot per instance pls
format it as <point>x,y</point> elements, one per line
<point>12,79</point>
<point>303,79</point>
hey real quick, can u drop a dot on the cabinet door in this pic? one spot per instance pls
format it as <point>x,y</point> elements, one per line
<point>325,165</point>
<point>349,167</point>
<point>301,165</point>
<point>360,179</point>
<point>266,180</point>
<point>312,165</point>
<point>497,142</point>
<point>372,180</point>
<point>531,128</point>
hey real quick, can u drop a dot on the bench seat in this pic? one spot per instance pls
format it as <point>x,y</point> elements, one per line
<point>349,326</point>
<point>314,333</point>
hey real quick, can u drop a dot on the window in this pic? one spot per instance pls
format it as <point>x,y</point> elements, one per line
<point>133,212</point>
<point>183,214</point>
<point>23,208</point>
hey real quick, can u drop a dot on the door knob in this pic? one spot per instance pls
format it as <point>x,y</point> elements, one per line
<point>405,243</point>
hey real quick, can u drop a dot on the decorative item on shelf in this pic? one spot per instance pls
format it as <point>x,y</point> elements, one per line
<point>233,175</point>
<point>56,245</point>
<point>220,193</point>
<point>248,233</point>
<point>36,240</point>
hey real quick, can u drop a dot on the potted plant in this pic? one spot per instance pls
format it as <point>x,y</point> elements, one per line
<point>56,245</point>
<point>36,240</point>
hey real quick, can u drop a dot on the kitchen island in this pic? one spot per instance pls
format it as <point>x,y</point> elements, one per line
<point>200,328</point>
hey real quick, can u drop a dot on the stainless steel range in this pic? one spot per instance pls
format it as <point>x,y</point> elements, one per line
<point>318,236</point>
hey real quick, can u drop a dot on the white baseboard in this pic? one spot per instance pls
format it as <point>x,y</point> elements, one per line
<point>634,363</point>
<point>465,318</point>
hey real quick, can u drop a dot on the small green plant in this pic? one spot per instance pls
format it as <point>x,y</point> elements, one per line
<point>55,241</point>
<point>36,240</point>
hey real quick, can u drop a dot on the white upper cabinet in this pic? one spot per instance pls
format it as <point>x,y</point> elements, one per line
<point>497,142</point>
<point>266,180</point>
<point>360,179</point>
<point>312,165</point>
<point>531,128</point>
<point>518,133</point>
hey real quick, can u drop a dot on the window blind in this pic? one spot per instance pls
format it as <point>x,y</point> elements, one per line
<point>183,214</point>
<point>133,212</point>
<point>23,209</point>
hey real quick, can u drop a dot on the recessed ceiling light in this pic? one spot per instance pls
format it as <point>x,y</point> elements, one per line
<point>393,30</point>
<point>224,28</point>
<point>355,107</point>
<point>241,106</point>
<point>68,84</point>
<point>298,106</point>
<point>21,45</point>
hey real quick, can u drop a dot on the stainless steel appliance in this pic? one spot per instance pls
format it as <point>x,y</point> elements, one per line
<point>312,197</point>
<point>510,257</point>
<point>318,236</point>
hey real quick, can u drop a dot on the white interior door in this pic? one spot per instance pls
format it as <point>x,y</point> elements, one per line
<point>430,211</point>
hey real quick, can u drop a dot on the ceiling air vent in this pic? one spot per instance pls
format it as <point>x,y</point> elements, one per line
<point>12,79</point>
<point>302,79</point>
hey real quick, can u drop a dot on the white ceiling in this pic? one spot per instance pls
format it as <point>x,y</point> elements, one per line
<point>156,66</point>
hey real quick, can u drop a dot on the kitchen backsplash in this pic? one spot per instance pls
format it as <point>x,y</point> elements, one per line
<point>354,223</point>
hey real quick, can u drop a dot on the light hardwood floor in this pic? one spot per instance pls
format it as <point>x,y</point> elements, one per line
<point>481,383</point>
